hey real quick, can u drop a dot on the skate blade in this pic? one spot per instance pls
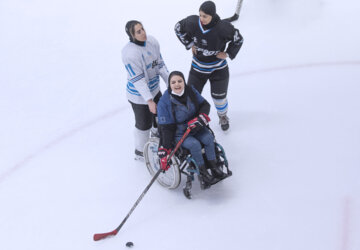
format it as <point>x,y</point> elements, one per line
<point>139,158</point>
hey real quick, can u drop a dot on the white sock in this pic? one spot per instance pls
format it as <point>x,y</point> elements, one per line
<point>154,130</point>
<point>141,137</point>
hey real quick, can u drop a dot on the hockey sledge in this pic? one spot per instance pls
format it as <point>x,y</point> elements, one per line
<point>182,164</point>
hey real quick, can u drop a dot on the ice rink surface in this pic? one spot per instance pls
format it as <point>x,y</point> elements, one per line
<point>66,142</point>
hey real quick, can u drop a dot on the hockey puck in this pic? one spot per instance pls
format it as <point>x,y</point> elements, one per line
<point>129,244</point>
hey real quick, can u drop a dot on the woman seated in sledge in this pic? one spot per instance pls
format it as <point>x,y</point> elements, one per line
<point>181,107</point>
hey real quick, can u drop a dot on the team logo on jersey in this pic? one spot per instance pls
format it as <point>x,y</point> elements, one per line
<point>204,42</point>
<point>206,52</point>
<point>237,37</point>
<point>154,63</point>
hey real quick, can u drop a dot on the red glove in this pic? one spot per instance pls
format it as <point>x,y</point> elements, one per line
<point>199,122</point>
<point>163,154</point>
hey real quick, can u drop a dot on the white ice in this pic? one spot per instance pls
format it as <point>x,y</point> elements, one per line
<point>66,143</point>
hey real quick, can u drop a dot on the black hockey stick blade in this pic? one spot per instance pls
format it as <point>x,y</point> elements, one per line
<point>232,19</point>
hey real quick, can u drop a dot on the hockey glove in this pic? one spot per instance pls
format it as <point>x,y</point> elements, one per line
<point>199,122</point>
<point>163,154</point>
<point>204,118</point>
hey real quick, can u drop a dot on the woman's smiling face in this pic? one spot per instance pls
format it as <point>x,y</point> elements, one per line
<point>177,84</point>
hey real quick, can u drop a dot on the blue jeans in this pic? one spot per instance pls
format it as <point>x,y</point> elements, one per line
<point>194,144</point>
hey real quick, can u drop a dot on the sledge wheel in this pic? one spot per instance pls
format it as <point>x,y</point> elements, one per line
<point>172,177</point>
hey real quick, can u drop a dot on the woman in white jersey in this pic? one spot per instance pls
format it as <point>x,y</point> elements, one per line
<point>144,65</point>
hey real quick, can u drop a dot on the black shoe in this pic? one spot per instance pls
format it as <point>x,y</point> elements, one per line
<point>139,155</point>
<point>206,177</point>
<point>215,170</point>
<point>224,122</point>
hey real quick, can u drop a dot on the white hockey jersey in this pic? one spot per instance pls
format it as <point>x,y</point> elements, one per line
<point>144,66</point>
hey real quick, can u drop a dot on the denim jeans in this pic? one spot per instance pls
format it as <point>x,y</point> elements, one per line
<point>194,144</point>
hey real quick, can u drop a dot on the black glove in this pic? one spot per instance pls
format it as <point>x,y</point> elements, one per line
<point>199,122</point>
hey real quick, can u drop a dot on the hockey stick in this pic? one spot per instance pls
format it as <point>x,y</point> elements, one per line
<point>237,12</point>
<point>101,236</point>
